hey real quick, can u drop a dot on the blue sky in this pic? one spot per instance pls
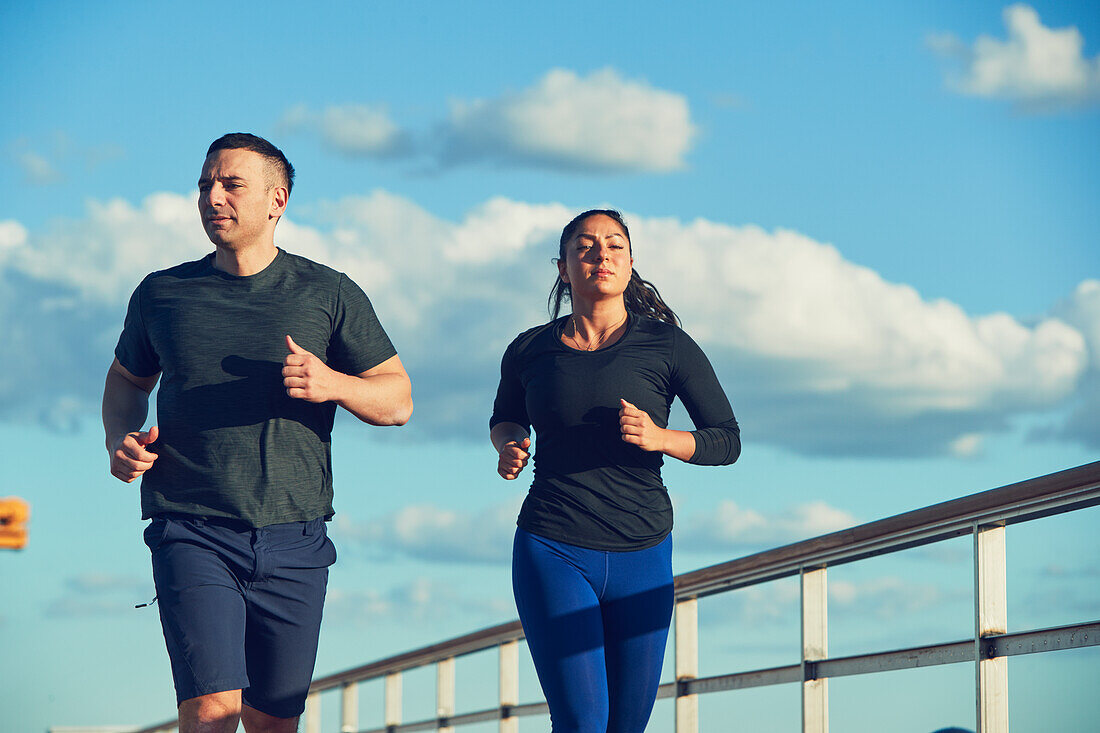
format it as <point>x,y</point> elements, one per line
<point>875,220</point>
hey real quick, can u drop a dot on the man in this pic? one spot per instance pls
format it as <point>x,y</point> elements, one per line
<point>254,349</point>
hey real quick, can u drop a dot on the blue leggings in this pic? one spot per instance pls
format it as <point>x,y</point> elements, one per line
<point>596,624</point>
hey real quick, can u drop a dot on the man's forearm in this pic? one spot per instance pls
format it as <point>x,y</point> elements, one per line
<point>125,408</point>
<point>379,399</point>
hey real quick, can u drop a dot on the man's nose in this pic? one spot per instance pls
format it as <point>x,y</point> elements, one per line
<point>215,195</point>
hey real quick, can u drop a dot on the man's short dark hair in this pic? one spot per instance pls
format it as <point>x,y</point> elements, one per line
<point>274,157</point>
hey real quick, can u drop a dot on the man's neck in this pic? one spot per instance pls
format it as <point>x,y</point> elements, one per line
<point>246,261</point>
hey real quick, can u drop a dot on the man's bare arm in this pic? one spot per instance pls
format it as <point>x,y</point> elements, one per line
<point>381,395</point>
<point>125,408</point>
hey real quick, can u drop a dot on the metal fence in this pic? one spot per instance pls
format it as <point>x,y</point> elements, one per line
<point>985,516</point>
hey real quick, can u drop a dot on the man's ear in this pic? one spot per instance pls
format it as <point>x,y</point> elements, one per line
<point>278,202</point>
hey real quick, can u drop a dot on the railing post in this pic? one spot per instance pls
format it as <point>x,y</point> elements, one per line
<point>687,664</point>
<point>509,685</point>
<point>991,617</point>
<point>392,705</point>
<point>815,646</point>
<point>313,712</point>
<point>445,692</point>
<point>349,707</point>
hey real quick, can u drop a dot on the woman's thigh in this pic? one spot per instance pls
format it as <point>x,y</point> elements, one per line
<point>560,610</point>
<point>637,608</point>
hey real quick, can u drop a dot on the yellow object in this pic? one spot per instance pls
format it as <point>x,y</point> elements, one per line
<point>14,513</point>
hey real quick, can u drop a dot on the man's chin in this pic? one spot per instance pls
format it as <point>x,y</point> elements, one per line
<point>218,239</point>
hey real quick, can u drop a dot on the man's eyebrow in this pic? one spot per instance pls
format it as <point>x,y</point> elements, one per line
<point>206,179</point>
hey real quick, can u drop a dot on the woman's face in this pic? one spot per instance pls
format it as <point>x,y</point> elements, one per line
<point>597,262</point>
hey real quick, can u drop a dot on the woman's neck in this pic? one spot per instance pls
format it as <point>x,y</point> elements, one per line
<point>592,328</point>
<point>599,315</point>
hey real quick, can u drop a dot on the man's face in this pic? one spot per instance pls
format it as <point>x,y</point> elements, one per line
<point>237,208</point>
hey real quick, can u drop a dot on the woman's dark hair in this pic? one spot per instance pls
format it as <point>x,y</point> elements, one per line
<point>640,297</point>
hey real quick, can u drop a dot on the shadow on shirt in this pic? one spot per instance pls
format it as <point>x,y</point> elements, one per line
<point>597,444</point>
<point>258,396</point>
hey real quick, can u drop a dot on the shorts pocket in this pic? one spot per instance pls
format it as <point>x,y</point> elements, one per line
<point>155,533</point>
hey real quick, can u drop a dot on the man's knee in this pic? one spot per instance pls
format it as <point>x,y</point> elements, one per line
<point>256,721</point>
<point>218,712</point>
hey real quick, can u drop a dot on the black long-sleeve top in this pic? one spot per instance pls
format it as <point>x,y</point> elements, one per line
<point>591,488</point>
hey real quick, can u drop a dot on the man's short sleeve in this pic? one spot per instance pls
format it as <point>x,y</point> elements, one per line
<point>358,341</point>
<point>134,350</point>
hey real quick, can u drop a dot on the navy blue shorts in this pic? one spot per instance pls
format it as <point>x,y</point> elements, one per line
<point>241,607</point>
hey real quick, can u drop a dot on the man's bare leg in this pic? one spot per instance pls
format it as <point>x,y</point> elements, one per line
<point>257,722</point>
<point>218,712</point>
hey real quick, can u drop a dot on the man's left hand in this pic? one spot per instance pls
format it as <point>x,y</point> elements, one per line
<point>306,377</point>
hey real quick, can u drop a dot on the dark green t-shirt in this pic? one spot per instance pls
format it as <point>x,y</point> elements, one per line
<point>232,442</point>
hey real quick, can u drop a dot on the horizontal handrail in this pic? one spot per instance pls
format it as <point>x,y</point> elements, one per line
<point>459,646</point>
<point>1074,488</point>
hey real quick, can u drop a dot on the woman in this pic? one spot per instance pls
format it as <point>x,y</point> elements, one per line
<point>592,559</point>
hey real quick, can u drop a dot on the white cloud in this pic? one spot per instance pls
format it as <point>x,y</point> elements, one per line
<point>1036,66</point>
<point>768,604</point>
<point>596,123</point>
<point>354,129</point>
<point>421,600</point>
<point>1059,570</point>
<point>13,236</point>
<point>94,594</point>
<point>601,122</point>
<point>967,445</point>
<point>777,603</point>
<point>437,534</point>
<point>37,169</point>
<point>50,157</point>
<point>105,255</point>
<point>731,526</point>
<point>886,597</point>
<point>1082,311</point>
<point>817,353</point>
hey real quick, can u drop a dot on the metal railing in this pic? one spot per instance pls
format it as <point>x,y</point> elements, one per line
<point>984,516</point>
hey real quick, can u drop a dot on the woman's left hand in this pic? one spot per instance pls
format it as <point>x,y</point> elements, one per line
<point>639,429</point>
